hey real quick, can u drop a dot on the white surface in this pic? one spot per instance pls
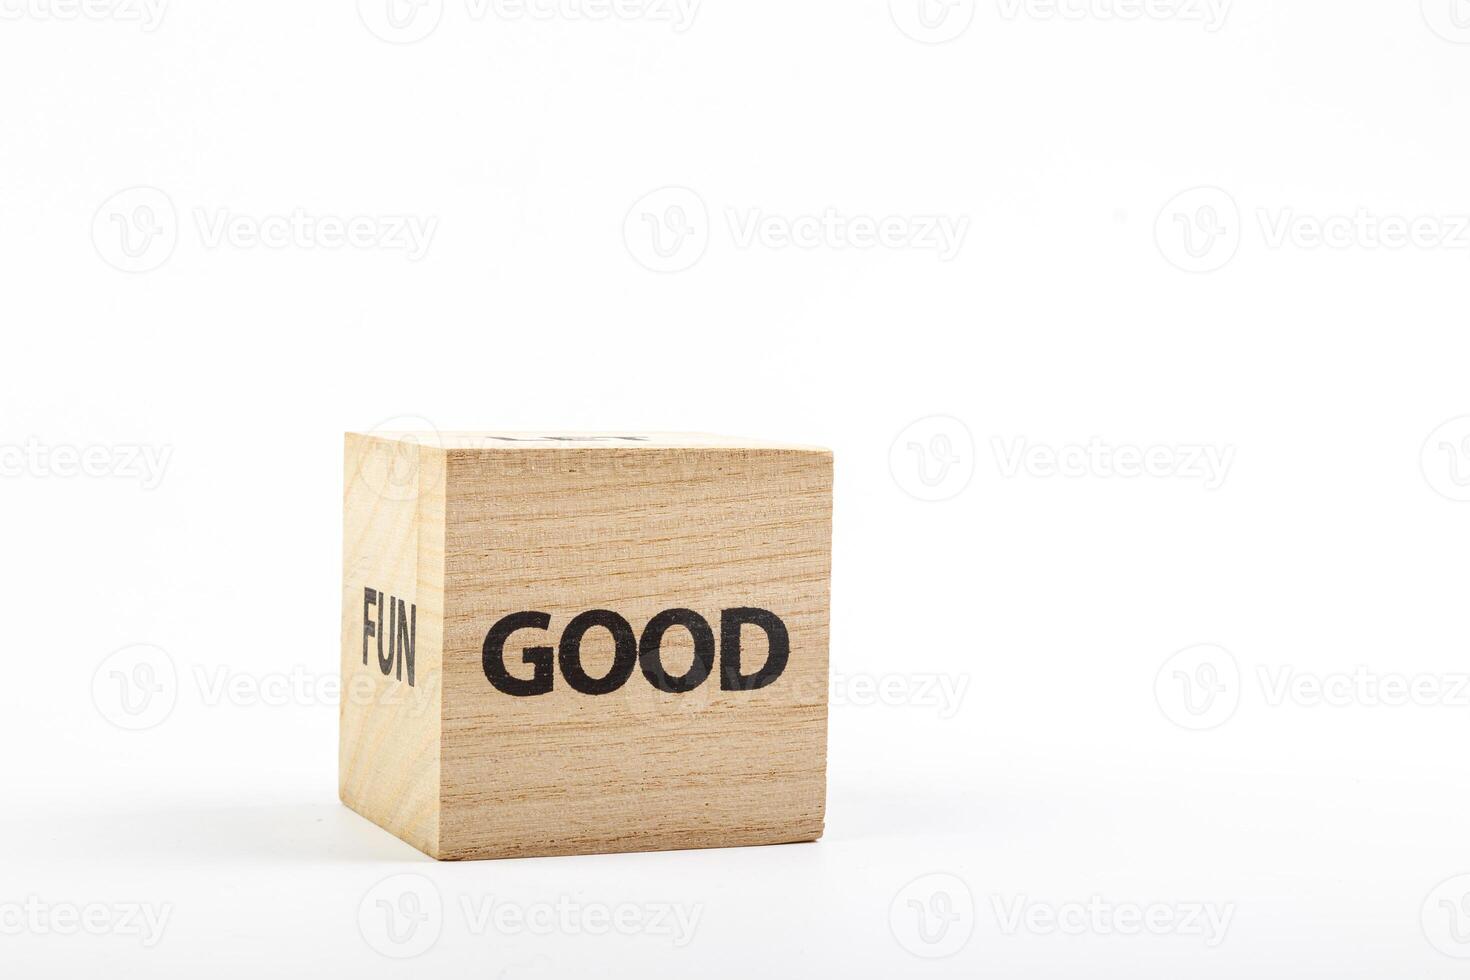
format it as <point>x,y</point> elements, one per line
<point>1068,150</point>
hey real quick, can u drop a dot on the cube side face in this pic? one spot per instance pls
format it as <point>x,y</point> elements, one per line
<point>724,534</point>
<point>392,636</point>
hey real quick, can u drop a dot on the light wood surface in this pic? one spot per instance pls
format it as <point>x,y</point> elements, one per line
<point>393,543</point>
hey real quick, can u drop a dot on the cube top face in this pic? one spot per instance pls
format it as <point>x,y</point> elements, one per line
<point>459,442</point>
<point>619,641</point>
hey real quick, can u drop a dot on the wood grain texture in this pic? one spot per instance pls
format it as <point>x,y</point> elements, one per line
<point>693,522</point>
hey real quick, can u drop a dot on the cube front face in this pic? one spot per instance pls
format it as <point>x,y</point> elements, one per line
<point>631,643</point>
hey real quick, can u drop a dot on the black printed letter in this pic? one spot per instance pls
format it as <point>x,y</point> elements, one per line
<point>625,654</point>
<point>493,656</point>
<point>704,650</point>
<point>780,648</point>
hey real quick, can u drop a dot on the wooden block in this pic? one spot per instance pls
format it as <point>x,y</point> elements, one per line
<point>581,643</point>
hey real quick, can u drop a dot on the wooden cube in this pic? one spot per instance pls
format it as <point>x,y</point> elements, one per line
<point>581,643</point>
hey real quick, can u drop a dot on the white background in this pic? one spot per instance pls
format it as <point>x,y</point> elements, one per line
<point>1300,320</point>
